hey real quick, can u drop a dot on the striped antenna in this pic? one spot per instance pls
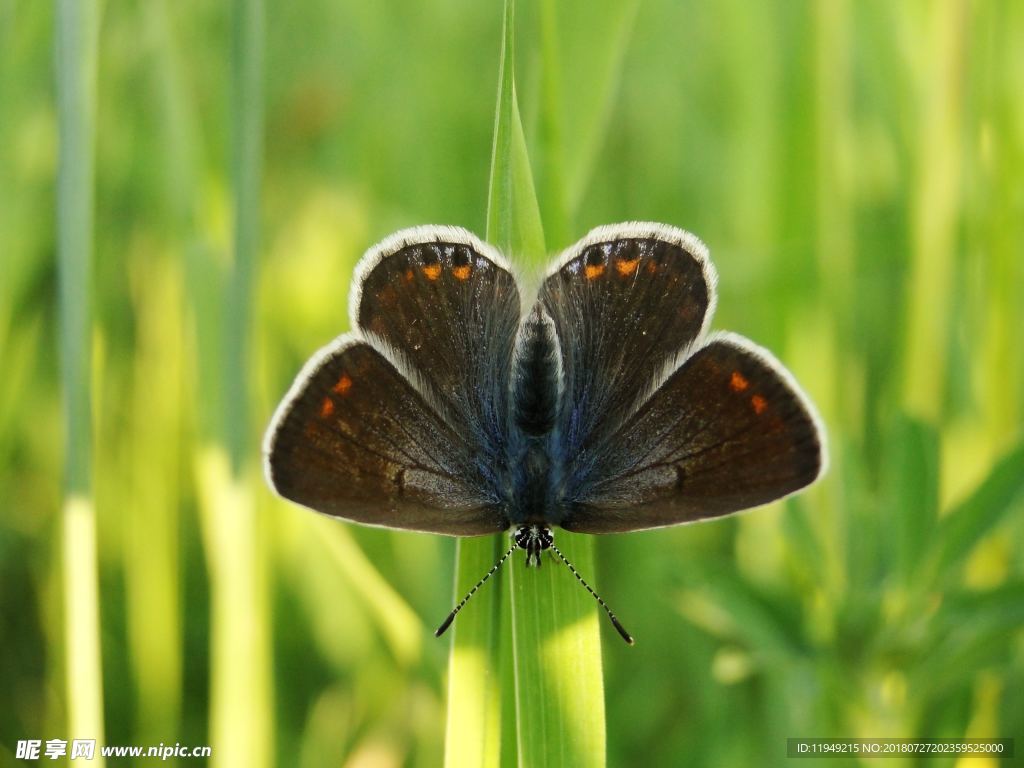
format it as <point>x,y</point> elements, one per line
<point>615,622</point>
<point>451,616</point>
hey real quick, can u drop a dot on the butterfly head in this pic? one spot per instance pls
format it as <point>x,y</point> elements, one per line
<point>534,539</point>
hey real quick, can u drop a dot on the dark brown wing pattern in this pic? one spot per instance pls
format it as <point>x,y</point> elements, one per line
<point>728,430</point>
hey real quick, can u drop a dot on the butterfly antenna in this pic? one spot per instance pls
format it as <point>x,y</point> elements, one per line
<point>451,616</point>
<point>615,622</point>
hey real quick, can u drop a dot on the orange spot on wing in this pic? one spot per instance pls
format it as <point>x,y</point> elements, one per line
<point>652,266</point>
<point>593,271</point>
<point>738,382</point>
<point>344,384</point>
<point>432,271</point>
<point>627,266</point>
<point>326,408</point>
<point>409,275</point>
<point>461,273</point>
<point>759,404</point>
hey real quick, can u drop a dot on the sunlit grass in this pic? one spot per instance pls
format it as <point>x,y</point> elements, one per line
<point>151,548</point>
<point>476,687</point>
<point>77,36</point>
<point>241,717</point>
<point>241,708</point>
<point>555,639</point>
<point>479,701</point>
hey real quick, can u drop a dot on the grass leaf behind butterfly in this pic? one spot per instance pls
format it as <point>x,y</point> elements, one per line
<point>556,644</point>
<point>475,667</point>
<point>559,688</point>
<point>513,217</point>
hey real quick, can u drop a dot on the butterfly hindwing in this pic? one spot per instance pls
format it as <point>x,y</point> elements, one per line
<point>728,430</point>
<point>354,439</point>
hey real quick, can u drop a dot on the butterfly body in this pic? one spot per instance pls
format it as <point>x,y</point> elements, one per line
<point>533,494</point>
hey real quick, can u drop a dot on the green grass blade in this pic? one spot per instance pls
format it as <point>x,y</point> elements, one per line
<point>970,629</point>
<point>934,215</point>
<point>913,474</point>
<point>246,173</point>
<point>550,148</point>
<point>593,96</point>
<point>241,709</point>
<point>997,611</point>
<point>513,217</point>
<point>557,648</point>
<point>473,731</point>
<point>556,642</point>
<point>77,38</point>
<point>559,689</point>
<point>398,624</point>
<point>735,610</point>
<point>962,529</point>
<point>152,552</point>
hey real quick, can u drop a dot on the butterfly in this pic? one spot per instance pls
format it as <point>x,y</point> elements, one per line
<point>600,405</point>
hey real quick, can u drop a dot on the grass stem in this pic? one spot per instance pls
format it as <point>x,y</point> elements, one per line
<point>76,52</point>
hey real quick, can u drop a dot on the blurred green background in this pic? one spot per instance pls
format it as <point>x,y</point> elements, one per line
<point>857,169</point>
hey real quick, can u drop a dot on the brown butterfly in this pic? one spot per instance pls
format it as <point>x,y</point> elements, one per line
<point>602,405</point>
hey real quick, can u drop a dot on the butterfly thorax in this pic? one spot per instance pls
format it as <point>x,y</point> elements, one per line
<point>532,495</point>
<point>533,487</point>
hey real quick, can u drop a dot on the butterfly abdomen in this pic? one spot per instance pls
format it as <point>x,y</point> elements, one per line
<point>536,393</point>
<point>536,375</point>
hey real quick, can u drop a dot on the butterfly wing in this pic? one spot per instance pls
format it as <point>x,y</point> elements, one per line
<point>354,439</point>
<point>447,305</point>
<point>625,301</point>
<point>402,423</point>
<point>727,430</point>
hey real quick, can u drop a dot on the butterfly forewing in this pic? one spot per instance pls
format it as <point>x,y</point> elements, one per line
<point>354,439</point>
<point>625,300</point>
<point>728,430</point>
<point>449,306</point>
